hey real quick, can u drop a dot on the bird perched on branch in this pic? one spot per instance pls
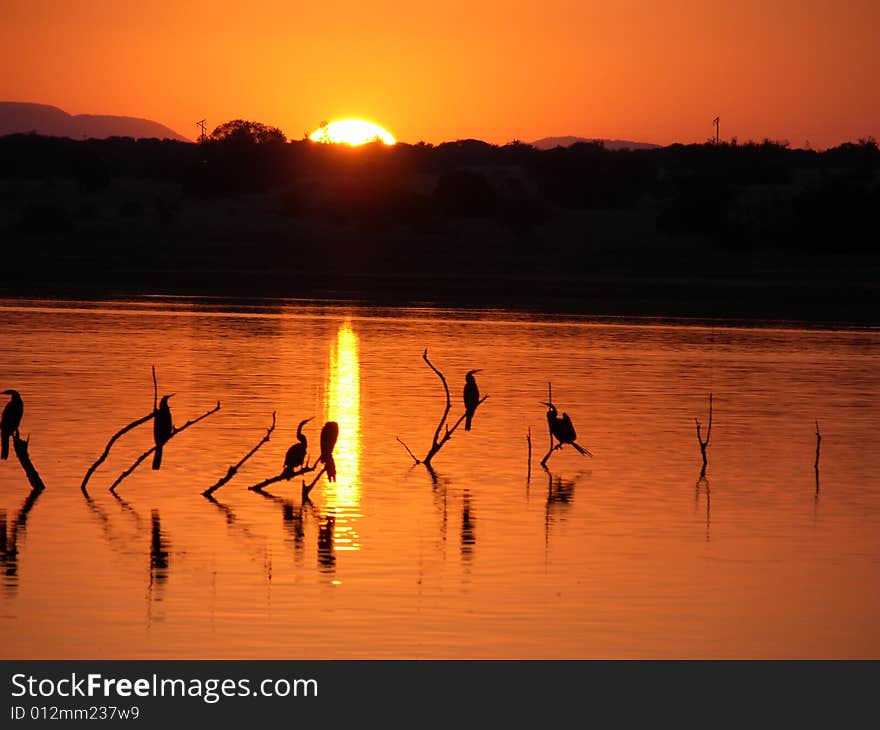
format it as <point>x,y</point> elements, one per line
<point>163,428</point>
<point>11,420</point>
<point>329,434</point>
<point>471,398</point>
<point>563,429</point>
<point>296,454</point>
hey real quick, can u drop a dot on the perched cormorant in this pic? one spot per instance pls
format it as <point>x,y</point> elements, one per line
<point>329,434</point>
<point>296,454</point>
<point>563,429</point>
<point>471,398</point>
<point>163,427</point>
<point>10,420</point>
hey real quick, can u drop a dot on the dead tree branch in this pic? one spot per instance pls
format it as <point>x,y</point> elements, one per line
<point>124,430</point>
<point>113,439</point>
<point>147,453</point>
<point>233,470</point>
<point>704,443</point>
<point>439,441</point>
<point>408,450</point>
<point>21,451</point>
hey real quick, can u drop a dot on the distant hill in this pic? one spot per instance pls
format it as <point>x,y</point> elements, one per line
<point>549,143</point>
<point>54,122</point>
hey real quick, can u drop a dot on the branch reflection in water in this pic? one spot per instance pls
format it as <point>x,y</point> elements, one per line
<point>703,487</point>
<point>11,538</point>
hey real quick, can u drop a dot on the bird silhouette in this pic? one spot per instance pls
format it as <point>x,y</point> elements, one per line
<point>563,429</point>
<point>329,434</point>
<point>10,420</point>
<point>163,428</point>
<point>296,454</point>
<point>471,398</point>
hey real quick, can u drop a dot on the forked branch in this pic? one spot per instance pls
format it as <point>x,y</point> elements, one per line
<point>113,439</point>
<point>704,443</point>
<point>440,440</point>
<point>122,431</point>
<point>150,451</point>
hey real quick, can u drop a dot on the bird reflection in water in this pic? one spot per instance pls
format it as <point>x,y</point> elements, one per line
<point>468,536</point>
<point>293,519</point>
<point>560,493</point>
<point>11,538</point>
<point>160,562</point>
<point>326,552</point>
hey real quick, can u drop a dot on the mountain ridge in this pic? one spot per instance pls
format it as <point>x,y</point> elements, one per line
<point>549,143</point>
<point>25,117</point>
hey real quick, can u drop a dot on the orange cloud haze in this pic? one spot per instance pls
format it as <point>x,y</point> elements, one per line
<point>802,70</point>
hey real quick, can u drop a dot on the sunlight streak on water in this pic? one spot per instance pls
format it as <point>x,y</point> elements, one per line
<point>343,406</point>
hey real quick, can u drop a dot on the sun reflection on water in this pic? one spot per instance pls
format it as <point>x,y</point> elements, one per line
<point>342,404</point>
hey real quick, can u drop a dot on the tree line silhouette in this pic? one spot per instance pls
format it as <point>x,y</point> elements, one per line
<point>110,213</point>
<point>700,187</point>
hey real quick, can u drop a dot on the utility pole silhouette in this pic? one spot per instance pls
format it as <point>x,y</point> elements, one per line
<point>201,125</point>
<point>716,122</point>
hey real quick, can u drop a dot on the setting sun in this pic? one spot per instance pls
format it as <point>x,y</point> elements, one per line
<point>353,132</point>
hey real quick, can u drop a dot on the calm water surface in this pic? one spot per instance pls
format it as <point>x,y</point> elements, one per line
<point>626,555</point>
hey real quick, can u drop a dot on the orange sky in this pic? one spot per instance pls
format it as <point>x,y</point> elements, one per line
<point>658,71</point>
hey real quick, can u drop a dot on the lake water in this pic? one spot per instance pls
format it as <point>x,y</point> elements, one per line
<point>625,555</point>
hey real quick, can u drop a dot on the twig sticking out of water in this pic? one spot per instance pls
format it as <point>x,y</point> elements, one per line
<point>529,441</point>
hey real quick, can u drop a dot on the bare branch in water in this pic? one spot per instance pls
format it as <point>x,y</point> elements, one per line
<point>233,470</point>
<point>439,441</point>
<point>704,443</point>
<point>408,450</point>
<point>147,453</point>
<point>116,436</point>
